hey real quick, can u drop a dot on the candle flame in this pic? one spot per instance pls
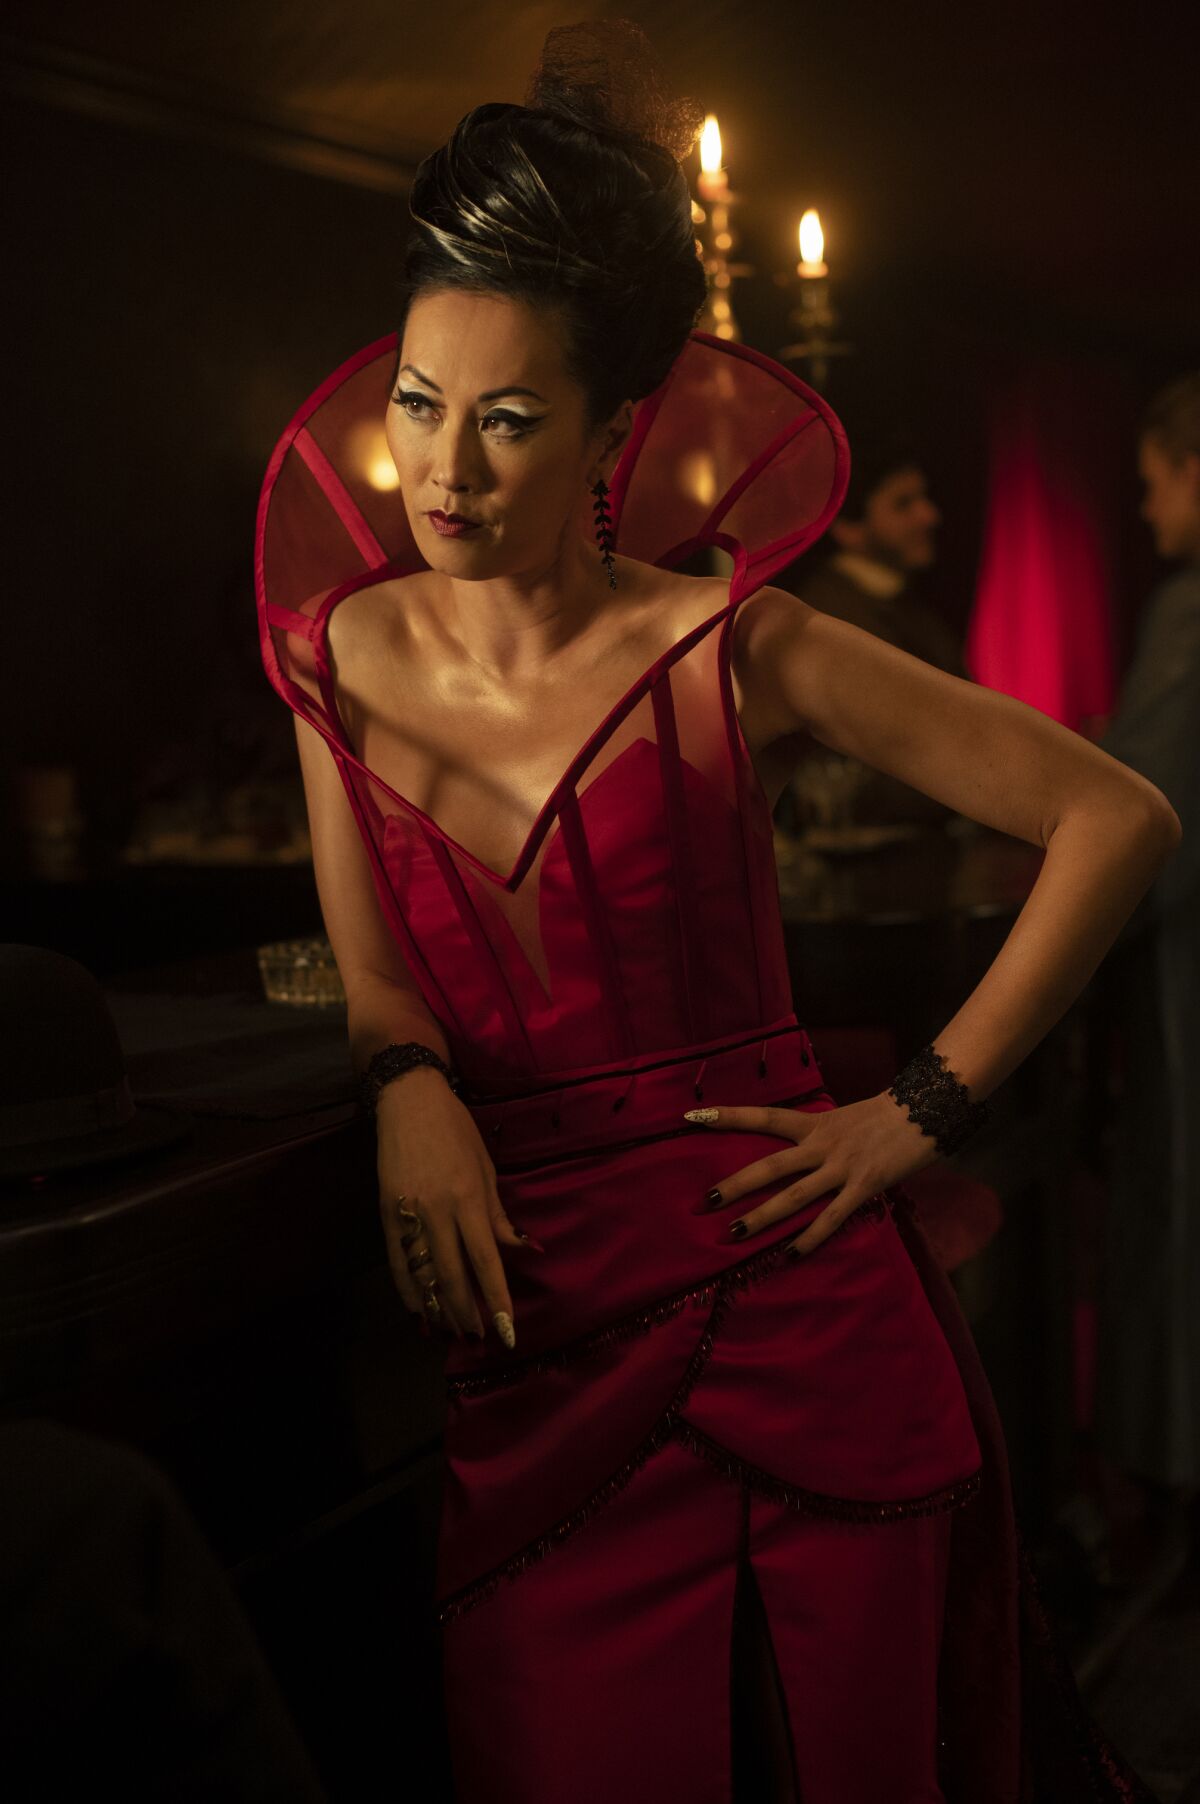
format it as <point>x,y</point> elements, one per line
<point>710,145</point>
<point>812,238</point>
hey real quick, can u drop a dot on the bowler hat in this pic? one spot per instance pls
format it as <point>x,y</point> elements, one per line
<point>65,1100</point>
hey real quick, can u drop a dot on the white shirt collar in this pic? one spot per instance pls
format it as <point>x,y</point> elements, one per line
<point>875,578</point>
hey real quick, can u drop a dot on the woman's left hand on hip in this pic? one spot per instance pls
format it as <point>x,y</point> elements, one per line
<point>852,1153</point>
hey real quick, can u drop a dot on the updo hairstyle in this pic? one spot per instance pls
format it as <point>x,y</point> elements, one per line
<point>575,201</point>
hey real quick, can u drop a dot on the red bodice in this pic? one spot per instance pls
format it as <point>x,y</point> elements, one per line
<point>642,913</point>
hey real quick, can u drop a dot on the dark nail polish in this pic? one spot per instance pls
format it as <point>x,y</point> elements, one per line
<point>713,1199</point>
<point>737,1229</point>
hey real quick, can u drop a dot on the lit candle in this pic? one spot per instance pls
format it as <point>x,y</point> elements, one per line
<point>812,247</point>
<point>713,182</point>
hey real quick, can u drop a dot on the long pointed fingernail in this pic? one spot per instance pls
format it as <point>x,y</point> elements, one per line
<point>504,1327</point>
<point>706,1115</point>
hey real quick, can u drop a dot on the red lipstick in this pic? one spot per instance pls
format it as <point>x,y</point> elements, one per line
<point>452,526</point>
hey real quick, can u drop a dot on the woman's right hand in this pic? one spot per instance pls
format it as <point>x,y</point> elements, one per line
<point>429,1149</point>
<point>430,1153</point>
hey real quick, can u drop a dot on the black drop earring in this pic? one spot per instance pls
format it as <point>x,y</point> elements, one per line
<point>604,531</point>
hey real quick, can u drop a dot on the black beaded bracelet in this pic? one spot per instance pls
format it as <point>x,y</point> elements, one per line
<point>392,1061</point>
<point>936,1101</point>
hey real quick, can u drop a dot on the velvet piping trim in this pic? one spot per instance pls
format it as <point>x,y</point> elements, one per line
<point>820,1503</point>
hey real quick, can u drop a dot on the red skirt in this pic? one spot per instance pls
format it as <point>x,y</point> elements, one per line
<point>663,1373</point>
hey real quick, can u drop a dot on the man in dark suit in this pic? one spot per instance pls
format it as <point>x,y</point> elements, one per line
<point>1148,1366</point>
<point>884,536</point>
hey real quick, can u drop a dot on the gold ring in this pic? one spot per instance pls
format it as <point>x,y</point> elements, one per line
<point>409,1215</point>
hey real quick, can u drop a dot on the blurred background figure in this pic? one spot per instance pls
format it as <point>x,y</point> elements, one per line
<point>868,571</point>
<point>1147,1414</point>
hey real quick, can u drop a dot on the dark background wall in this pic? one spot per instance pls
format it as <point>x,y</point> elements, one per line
<point>174,303</point>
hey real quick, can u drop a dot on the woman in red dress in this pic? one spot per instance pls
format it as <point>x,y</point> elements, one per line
<point>720,1455</point>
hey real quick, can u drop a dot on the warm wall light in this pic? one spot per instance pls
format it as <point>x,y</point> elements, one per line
<point>712,182</point>
<point>368,452</point>
<point>698,476</point>
<point>717,239</point>
<point>812,245</point>
<point>382,474</point>
<point>814,318</point>
<point>710,145</point>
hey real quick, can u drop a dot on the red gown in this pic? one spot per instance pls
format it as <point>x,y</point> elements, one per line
<point>677,1399</point>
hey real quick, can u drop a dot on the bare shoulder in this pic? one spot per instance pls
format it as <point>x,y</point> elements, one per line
<point>692,599</point>
<point>767,621</point>
<point>768,631</point>
<point>370,636</point>
<point>804,669</point>
<point>768,615</point>
<point>362,621</point>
